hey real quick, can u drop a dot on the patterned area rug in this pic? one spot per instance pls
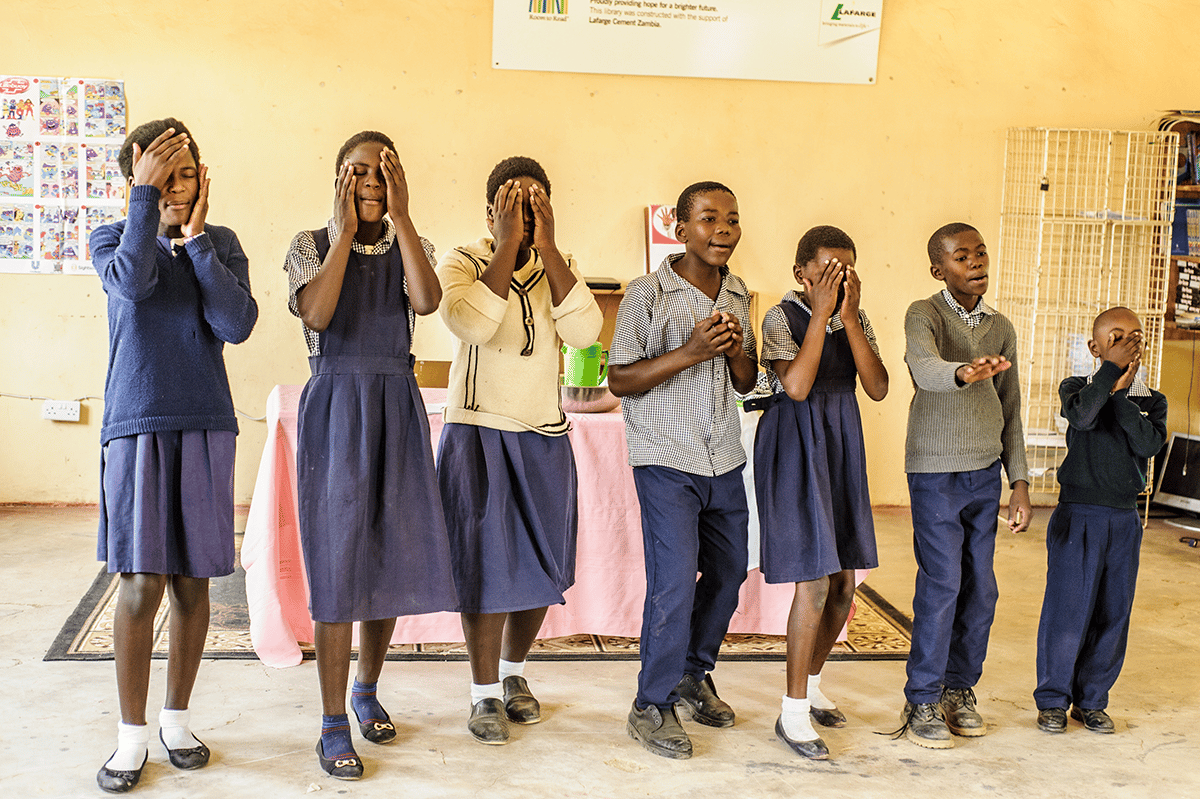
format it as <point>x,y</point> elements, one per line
<point>878,631</point>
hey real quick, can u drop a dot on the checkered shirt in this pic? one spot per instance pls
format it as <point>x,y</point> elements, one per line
<point>690,421</point>
<point>778,344</point>
<point>972,318</point>
<point>303,262</point>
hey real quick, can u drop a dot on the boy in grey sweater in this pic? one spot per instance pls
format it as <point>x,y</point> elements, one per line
<point>964,422</point>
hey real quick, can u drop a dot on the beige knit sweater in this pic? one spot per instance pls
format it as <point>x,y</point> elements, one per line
<point>505,369</point>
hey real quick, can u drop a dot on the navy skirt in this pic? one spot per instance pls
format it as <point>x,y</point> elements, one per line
<point>166,503</point>
<point>510,500</point>
<point>810,480</point>
<point>371,523</point>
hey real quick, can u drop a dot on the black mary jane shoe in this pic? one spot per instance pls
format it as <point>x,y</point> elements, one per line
<point>118,780</point>
<point>827,718</point>
<point>376,731</point>
<point>187,759</point>
<point>812,750</point>
<point>344,768</point>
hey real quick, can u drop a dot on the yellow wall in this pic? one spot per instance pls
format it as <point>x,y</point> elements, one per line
<point>270,90</point>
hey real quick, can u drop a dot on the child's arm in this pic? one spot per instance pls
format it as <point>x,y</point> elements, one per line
<point>126,261</point>
<point>1020,509</point>
<point>799,374</point>
<point>929,370</point>
<point>710,337</point>
<point>224,279</point>
<point>424,291</point>
<point>317,300</point>
<point>577,317</point>
<point>1012,436</point>
<point>557,273</point>
<point>508,226</point>
<point>740,356</point>
<point>871,371</point>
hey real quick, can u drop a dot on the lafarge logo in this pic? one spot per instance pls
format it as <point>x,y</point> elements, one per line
<point>842,11</point>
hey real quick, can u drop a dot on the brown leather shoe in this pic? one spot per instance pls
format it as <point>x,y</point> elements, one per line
<point>520,704</point>
<point>658,731</point>
<point>698,698</point>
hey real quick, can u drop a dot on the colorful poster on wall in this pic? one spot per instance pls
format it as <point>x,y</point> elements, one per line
<point>819,41</point>
<point>660,235</point>
<point>59,178</point>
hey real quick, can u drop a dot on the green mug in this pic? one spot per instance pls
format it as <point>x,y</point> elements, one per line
<point>586,367</point>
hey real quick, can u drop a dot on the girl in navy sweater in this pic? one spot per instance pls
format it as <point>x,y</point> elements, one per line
<point>178,290</point>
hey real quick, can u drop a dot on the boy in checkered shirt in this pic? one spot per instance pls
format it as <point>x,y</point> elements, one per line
<point>682,346</point>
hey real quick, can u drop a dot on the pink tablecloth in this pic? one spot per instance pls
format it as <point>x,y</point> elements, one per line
<point>610,582</point>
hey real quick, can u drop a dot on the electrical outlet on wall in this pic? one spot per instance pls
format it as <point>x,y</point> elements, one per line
<point>61,410</point>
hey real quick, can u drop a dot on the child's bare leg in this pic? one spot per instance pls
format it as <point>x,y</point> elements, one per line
<point>374,637</point>
<point>188,628</point>
<point>373,721</point>
<point>484,633</point>
<point>485,636</point>
<point>520,631</point>
<point>332,640</point>
<point>804,624</point>
<point>833,619</point>
<point>133,640</point>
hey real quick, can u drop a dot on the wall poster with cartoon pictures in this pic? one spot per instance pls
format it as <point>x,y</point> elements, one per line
<point>59,178</point>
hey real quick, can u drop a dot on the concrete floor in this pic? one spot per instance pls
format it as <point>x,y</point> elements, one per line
<point>60,718</point>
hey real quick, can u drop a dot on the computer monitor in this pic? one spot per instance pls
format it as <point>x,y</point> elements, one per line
<point>1179,478</point>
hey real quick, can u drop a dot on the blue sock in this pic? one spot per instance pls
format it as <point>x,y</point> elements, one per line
<point>366,706</point>
<point>335,738</point>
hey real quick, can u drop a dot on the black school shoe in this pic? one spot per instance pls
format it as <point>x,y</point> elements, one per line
<point>343,768</point>
<point>1094,720</point>
<point>827,718</point>
<point>187,759</point>
<point>659,731</point>
<point>520,704</point>
<point>377,731</point>
<point>488,722</point>
<point>118,780</point>
<point>812,750</point>
<point>1052,719</point>
<point>698,698</point>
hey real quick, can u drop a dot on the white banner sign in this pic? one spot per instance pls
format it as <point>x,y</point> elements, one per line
<point>793,40</point>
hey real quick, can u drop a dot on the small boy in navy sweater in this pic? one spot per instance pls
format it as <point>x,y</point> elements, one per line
<point>1116,424</point>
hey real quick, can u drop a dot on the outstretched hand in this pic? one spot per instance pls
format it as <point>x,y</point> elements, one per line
<point>195,224</point>
<point>982,368</point>
<point>153,166</point>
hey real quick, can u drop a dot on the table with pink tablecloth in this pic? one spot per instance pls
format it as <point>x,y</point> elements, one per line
<point>610,578</point>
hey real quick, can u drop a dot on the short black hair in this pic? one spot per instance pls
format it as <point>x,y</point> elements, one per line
<point>1105,316</point>
<point>687,198</point>
<point>361,138</point>
<point>827,236</point>
<point>146,133</point>
<point>937,242</point>
<point>517,166</point>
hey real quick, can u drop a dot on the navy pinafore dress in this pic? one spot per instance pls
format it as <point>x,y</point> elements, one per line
<point>810,472</point>
<point>371,523</point>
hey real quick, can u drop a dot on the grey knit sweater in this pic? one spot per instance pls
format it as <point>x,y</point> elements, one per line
<point>954,428</point>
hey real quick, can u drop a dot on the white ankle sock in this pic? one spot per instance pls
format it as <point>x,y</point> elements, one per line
<point>795,720</point>
<point>132,742</point>
<point>815,697</point>
<point>174,727</point>
<point>492,691</point>
<point>510,669</point>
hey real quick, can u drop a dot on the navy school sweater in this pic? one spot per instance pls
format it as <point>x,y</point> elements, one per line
<point>168,321</point>
<point>1109,440</point>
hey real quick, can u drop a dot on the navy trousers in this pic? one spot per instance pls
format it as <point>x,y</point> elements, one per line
<point>1091,571</point>
<point>690,524</point>
<point>954,538</point>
